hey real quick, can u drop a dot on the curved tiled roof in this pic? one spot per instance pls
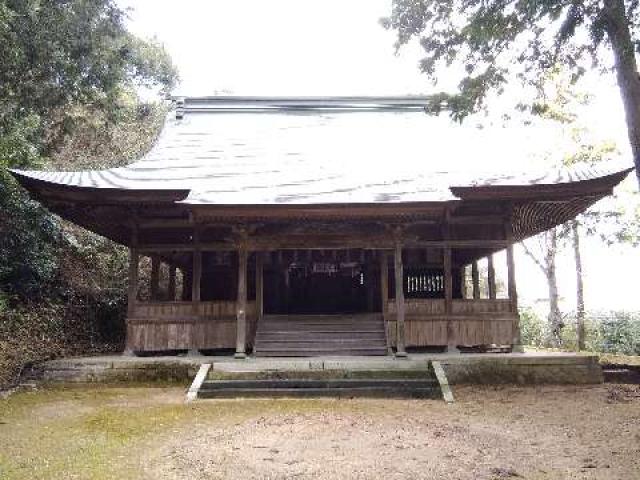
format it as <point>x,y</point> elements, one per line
<point>250,151</point>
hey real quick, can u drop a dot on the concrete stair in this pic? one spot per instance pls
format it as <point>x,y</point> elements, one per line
<point>320,335</point>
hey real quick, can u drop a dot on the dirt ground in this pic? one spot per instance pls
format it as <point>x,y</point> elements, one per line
<point>548,432</point>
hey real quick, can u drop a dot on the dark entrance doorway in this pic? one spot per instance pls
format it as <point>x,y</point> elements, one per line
<point>320,288</point>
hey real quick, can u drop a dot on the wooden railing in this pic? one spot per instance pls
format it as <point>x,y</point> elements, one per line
<point>202,325</point>
<point>194,310</point>
<point>156,326</point>
<point>473,322</point>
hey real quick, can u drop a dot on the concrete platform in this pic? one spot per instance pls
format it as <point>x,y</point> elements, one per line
<point>471,368</point>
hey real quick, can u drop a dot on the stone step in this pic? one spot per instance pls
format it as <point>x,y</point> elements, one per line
<point>422,388</point>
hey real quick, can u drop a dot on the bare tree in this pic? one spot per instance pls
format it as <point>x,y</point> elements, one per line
<point>544,255</point>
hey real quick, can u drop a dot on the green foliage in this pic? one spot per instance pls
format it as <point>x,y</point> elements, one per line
<point>496,40</point>
<point>29,243</point>
<point>59,54</point>
<point>616,332</point>
<point>68,75</point>
<point>19,141</point>
<point>533,329</point>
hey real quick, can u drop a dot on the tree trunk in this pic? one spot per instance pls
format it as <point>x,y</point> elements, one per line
<point>575,238</point>
<point>555,317</point>
<point>617,27</point>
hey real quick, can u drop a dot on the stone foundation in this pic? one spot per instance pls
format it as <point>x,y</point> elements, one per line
<point>480,369</point>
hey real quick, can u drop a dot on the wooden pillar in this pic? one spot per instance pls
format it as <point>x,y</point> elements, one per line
<point>399,277</point>
<point>259,286</point>
<point>384,280</point>
<point>171,290</point>
<point>155,277</point>
<point>448,284</point>
<point>491,277</point>
<point>132,288</point>
<point>475,279</point>
<point>511,288</point>
<point>287,287</point>
<point>187,283</point>
<point>197,270</point>
<point>196,279</point>
<point>463,281</point>
<point>241,304</point>
<point>368,283</point>
<point>384,295</point>
<point>448,301</point>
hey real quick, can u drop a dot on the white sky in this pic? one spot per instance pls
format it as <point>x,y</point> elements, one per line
<point>337,47</point>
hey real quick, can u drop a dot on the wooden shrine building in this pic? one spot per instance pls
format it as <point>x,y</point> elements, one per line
<point>308,226</point>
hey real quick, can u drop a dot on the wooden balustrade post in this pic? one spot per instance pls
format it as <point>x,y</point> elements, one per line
<point>491,277</point>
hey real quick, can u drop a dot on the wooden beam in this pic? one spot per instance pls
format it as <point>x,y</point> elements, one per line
<point>477,220</point>
<point>475,280</point>
<point>314,243</point>
<point>171,290</point>
<point>155,277</point>
<point>241,304</point>
<point>491,277</point>
<point>164,223</point>
<point>399,281</point>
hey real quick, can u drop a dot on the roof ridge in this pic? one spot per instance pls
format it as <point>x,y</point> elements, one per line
<point>278,104</point>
